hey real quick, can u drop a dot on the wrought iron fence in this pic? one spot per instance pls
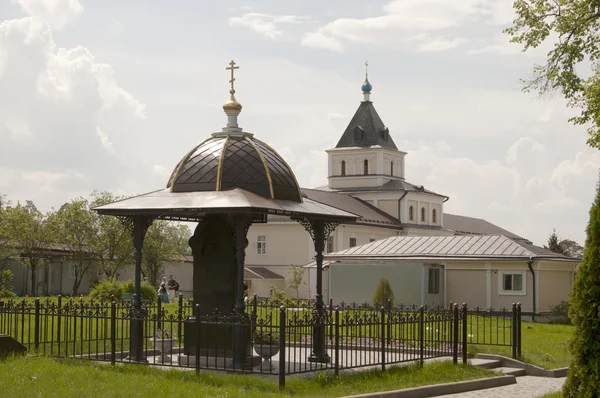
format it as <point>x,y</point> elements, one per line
<point>277,340</point>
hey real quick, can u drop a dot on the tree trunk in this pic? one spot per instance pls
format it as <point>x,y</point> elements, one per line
<point>33,265</point>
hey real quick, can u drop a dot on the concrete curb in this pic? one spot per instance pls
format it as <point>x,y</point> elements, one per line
<point>442,389</point>
<point>530,369</point>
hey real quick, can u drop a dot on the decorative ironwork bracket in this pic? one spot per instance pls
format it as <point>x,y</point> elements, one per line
<point>130,223</point>
<point>311,225</point>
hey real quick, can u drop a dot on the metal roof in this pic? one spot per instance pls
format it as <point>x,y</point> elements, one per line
<point>165,204</point>
<point>463,225</point>
<point>449,247</point>
<point>260,273</point>
<point>366,129</point>
<point>394,185</point>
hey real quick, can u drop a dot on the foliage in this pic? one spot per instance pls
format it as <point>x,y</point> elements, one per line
<point>162,334</point>
<point>559,313</point>
<point>164,242</point>
<point>571,248</point>
<point>278,298</point>
<point>583,379</point>
<point>383,294</point>
<point>6,288</point>
<point>295,278</point>
<point>108,289</point>
<point>554,243</point>
<point>112,246</point>
<point>76,225</point>
<point>33,232</point>
<point>147,290</point>
<point>7,245</point>
<point>265,338</point>
<point>573,27</point>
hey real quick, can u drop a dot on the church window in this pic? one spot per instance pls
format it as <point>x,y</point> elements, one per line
<point>422,214</point>
<point>343,167</point>
<point>261,245</point>
<point>330,244</point>
<point>391,168</point>
<point>411,216</point>
<point>434,216</point>
<point>366,167</point>
<point>434,281</point>
<point>352,242</point>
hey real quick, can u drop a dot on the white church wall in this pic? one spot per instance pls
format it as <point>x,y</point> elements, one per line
<point>286,243</point>
<point>389,206</point>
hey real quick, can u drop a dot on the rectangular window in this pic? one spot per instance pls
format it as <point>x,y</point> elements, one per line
<point>330,244</point>
<point>261,245</point>
<point>352,242</point>
<point>434,281</point>
<point>512,283</point>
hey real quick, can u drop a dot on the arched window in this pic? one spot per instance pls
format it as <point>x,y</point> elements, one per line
<point>411,215</point>
<point>422,214</point>
<point>391,168</point>
<point>366,167</point>
<point>343,167</point>
<point>434,216</point>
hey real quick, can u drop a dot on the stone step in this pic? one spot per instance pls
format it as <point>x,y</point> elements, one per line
<point>511,371</point>
<point>485,363</point>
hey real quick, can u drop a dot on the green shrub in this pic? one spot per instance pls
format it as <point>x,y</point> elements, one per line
<point>6,277</point>
<point>149,292</point>
<point>107,289</point>
<point>279,298</point>
<point>383,294</point>
<point>559,313</point>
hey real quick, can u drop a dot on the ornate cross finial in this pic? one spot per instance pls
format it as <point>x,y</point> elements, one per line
<point>232,67</point>
<point>366,68</point>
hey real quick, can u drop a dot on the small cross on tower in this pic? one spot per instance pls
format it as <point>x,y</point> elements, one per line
<point>367,68</point>
<point>232,67</point>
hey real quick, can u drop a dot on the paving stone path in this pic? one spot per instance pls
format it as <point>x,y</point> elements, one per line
<point>526,387</point>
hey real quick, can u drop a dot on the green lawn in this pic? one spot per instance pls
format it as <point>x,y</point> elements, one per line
<point>552,395</point>
<point>543,345</point>
<point>45,377</point>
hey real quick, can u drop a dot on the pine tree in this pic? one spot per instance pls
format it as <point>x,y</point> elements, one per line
<point>383,294</point>
<point>554,243</point>
<point>583,379</point>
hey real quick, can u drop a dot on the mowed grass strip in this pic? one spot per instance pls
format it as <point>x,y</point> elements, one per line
<point>543,345</point>
<point>47,377</point>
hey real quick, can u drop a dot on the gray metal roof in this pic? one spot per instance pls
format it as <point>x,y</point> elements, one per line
<point>193,205</point>
<point>463,225</point>
<point>366,129</point>
<point>260,273</point>
<point>394,185</point>
<point>447,247</point>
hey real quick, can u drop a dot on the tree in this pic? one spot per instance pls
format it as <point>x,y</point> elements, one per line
<point>583,379</point>
<point>295,278</point>
<point>383,294</point>
<point>554,243</point>
<point>77,231</point>
<point>7,244</point>
<point>573,26</point>
<point>112,246</point>
<point>33,234</point>
<point>164,242</point>
<point>571,248</point>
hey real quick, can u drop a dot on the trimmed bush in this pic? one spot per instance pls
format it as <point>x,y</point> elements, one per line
<point>149,292</point>
<point>6,277</point>
<point>106,289</point>
<point>278,298</point>
<point>383,294</point>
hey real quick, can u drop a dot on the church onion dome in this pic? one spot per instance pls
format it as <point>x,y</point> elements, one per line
<point>225,162</point>
<point>366,87</point>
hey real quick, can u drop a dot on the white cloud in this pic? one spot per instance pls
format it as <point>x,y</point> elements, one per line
<point>265,24</point>
<point>56,13</point>
<point>322,40</point>
<point>439,44</point>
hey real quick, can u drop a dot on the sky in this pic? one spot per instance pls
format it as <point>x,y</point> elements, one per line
<point>109,95</point>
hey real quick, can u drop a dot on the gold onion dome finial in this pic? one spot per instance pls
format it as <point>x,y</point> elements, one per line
<point>232,103</point>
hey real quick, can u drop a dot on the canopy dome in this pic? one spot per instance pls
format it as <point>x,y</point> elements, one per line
<point>225,162</point>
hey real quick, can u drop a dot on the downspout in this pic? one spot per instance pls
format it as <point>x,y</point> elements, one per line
<point>400,206</point>
<point>530,265</point>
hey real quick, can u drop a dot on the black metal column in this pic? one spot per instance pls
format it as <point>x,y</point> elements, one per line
<point>136,342</point>
<point>319,351</point>
<point>240,346</point>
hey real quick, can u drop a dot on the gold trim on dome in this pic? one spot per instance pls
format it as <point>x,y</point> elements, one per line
<point>286,165</point>
<point>220,167</point>
<point>265,165</point>
<point>175,174</point>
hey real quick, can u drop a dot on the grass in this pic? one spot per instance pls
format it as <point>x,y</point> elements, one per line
<point>543,345</point>
<point>553,395</point>
<point>45,377</point>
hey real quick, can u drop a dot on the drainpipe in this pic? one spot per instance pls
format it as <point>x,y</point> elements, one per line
<point>399,204</point>
<point>530,265</point>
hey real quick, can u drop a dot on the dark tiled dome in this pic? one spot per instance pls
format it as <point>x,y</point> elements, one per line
<point>226,162</point>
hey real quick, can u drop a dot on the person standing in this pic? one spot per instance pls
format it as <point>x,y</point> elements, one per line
<point>162,291</point>
<point>172,288</point>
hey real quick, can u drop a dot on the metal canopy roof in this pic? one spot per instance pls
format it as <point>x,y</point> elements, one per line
<point>193,205</point>
<point>448,247</point>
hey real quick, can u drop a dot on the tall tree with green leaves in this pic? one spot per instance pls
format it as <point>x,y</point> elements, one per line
<point>583,379</point>
<point>554,243</point>
<point>77,231</point>
<point>7,244</point>
<point>33,234</point>
<point>573,27</point>
<point>165,242</point>
<point>571,248</point>
<point>113,245</point>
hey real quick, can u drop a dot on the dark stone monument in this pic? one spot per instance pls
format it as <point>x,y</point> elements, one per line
<point>10,346</point>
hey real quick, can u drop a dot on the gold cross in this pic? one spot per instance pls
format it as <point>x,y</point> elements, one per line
<point>232,67</point>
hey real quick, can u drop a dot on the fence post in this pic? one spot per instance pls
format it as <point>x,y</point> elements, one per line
<point>113,332</point>
<point>514,331</point>
<point>331,324</point>
<point>455,335</point>
<point>464,333</point>
<point>158,311</point>
<point>282,347</point>
<point>519,330</point>
<point>421,334</point>
<point>36,335</point>
<point>59,322</point>
<point>179,316</point>
<point>337,341</point>
<point>389,324</point>
<point>197,313</point>
<point>383,338</point>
